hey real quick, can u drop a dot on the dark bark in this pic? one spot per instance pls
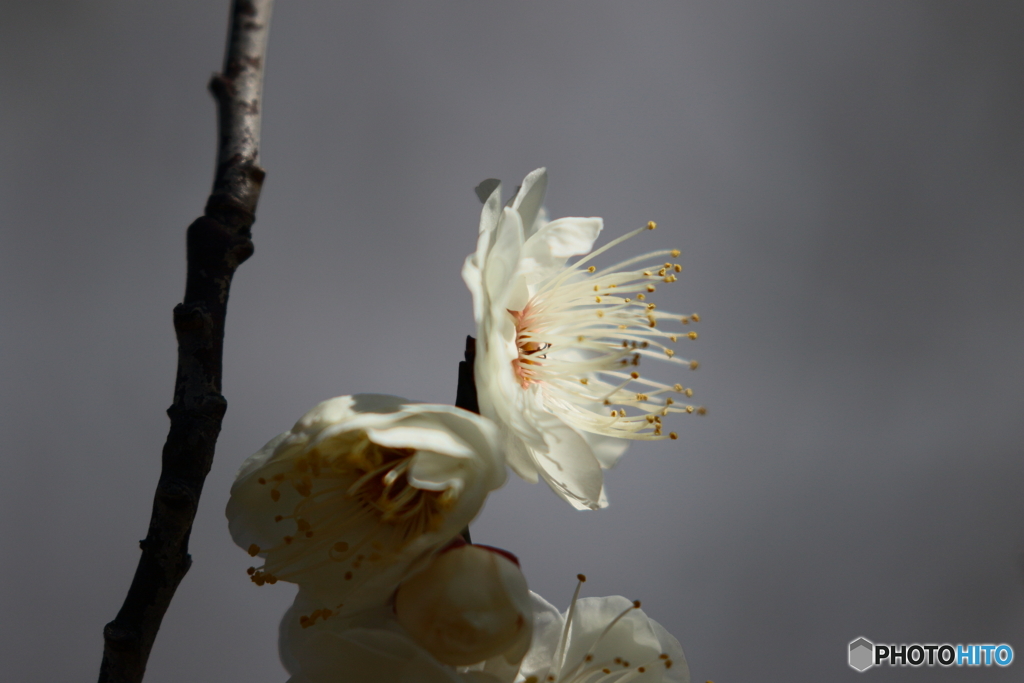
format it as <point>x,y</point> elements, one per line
<point>217,243</point>
<point>465,393</point>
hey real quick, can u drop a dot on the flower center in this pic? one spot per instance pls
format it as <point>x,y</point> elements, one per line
<point>344,496</point>
<point>581,335</point>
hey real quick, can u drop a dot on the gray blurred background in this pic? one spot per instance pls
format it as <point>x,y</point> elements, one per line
<point>844,179</point>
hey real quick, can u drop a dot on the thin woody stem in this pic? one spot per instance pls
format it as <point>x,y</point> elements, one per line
<point>217,243</point>
<point>465,393</point>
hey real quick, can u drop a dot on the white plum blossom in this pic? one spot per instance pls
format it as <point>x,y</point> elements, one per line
<point>372,655</point>
<point>359,493</point>
<point>558,344</point>
<point>465,611</point>
<point>600,640</point>
<point>469,605</point>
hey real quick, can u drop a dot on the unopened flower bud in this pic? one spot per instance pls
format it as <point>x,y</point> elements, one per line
<point>469,605</point>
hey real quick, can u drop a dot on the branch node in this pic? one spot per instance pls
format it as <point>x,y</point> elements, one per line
<point>119,638</point>
<point>176,495</point>
<point>191,317</point>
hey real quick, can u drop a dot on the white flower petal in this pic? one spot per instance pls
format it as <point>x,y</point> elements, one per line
<point>468,605</point>
<point>530,198</point>
<point>362,655</point>
<point>607,449</point>
<point>568,465</point>
<point>547,250</point>
<point>503,258</point>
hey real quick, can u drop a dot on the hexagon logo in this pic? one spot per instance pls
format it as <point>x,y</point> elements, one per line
<point>862,654</point>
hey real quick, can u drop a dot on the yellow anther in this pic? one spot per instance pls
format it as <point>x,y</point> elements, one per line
<point>673,337</point>
<point>702,411</point>
<point>640,297</point>
<point>673,435</point>
<point>651,307</point>
<point>689,409</point>
<point>591,269</point>
<point>676,267</point>
<point>648,273</point>
<point>635,375</point>
<point>582,578</point>
<point>669,401</point>
<point>600,314</point>
<point>694,365</point>
<point>275,495</point>
<point>636,605</point>
<point>696,318</point>
<point>650,288</point>
<point>662,271</point>
<point>584,380</point>
<point>254,550</point>
<point>669,352</point>
<point>650,418</point>
<point>688,392</point>
<point>250,571</point>
<point>675,253</point>
<point>685,320</point>
<point>651,225</point>
<point>580,338</point>
<point>596,288</point>
<point>692,335</point>
<point>597,299</point>
<point>615,413</point>
<point>262,480</point>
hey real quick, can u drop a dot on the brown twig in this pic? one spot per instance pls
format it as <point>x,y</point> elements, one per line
<point>217,243</point>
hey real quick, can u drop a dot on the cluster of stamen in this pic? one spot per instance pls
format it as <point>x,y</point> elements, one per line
<point>354,505</point>
<point>581,335</point>
<point>588,669</point>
